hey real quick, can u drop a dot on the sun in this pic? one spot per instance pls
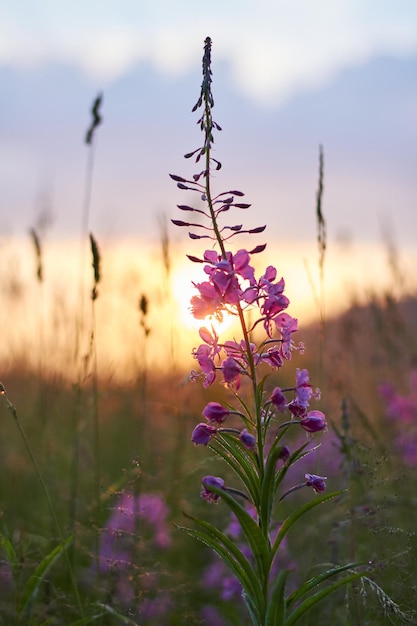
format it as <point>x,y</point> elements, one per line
<point>183,290</point>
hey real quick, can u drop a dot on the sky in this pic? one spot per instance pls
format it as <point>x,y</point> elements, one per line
<point>289,75</point>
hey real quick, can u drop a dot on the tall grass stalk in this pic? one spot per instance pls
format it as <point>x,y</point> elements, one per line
<point>167,288</point>
<point>37,245</point>
<point>96,264</point>
<point>322,245</point>
<point>139,436</point>
<point>11,407</point>
<point>83,362</point>
<point>91,141</point>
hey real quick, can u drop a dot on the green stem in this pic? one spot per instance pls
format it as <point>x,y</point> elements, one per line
<point>264,516</point>
<point>252,368</point>
<point>208,127</point>
<point>96,436</point>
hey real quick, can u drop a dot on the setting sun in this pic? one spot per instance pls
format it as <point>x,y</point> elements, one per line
<point>183,291</point>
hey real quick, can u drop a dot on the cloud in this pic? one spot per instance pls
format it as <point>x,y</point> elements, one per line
<point>273,48</point>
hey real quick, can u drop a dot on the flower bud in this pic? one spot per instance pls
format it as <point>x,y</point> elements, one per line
<point>202,434</point>
<point>211,481</point>
<point>247,439</point>
<point>317,482</point>
<point>215,412</point>
<point>231,370</point>
<point>279,399</point>
<point>313,422</point>
<point>284,454</point>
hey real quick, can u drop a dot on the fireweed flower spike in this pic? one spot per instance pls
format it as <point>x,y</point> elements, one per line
<point>252,445</point>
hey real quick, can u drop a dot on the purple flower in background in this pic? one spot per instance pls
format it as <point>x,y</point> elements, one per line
<point>387,393</point>
<point>407,443</point>
<point>118,534</point>
<point>208,482</point>
<point>7,583</point>
<point>153,510</point>
<point>155,608</point>
<point>402,411</point>
<point>211,616</point>
<point>119,543</point>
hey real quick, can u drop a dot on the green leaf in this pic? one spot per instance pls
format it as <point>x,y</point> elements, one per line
<point>277,608</point>
<point>239,460</point>
<point>10,553</point>
<point>260,393</point>
<point>32,586</point>
<point>317,580</point>
<point>258,543</point>
<point>291,519</point>
<point>105,608</point>
<point>233,558</point>
<point>249,606</point>
<point>272,478</point>
<point>87,620</point>
<point>308,603</point>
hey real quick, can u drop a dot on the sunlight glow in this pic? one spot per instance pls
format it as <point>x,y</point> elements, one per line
<point>41,319</point>
<point>183,290</point>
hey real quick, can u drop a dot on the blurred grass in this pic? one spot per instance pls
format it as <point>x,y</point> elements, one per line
<point>145,422</point>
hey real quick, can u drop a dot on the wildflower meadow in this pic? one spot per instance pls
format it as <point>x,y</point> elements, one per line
<point>265,476</point>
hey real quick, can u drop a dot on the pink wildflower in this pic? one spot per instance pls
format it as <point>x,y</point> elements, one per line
<point>215,412</point>
<point>231,370</point>
<point>279,399</point>
<point>248,440</point>
<point>202,434</point>
<point>303,391</point>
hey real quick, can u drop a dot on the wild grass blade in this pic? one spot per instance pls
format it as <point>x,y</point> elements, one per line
<point>31,588</point>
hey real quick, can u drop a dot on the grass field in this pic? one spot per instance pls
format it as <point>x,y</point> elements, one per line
<point>102,443</point>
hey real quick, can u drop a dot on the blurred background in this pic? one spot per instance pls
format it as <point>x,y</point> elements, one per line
<point>288,77</point>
